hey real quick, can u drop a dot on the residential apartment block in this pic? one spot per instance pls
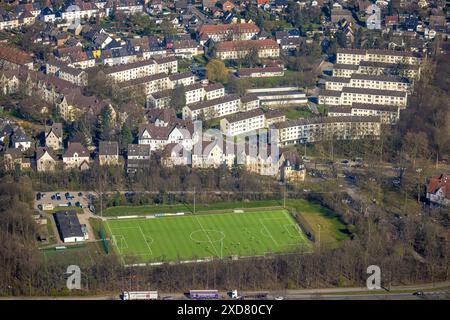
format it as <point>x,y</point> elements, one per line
<point>350,95</point>
<point>140,69</point>
<point>64,72</point>
<point>379,82</point>
<point>219,107</point>
<point>325,128</point>
<point>355,56</point>
<point>197,92</point>
<point>244,122</point>
<point>387,114</point>
<point>235,50</point>
<point>375,68</point>
<point>223,32</point>
<point>14,58</point>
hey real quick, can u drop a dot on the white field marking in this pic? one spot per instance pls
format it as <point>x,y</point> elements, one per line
<point>122,241</point>
<point>111,233</point>
<point>268,232</point>
<point>299,230</point>
<point>284,225</point>
<point>128,228</point>
<point>193,239</point>
<point>208,237</point>
<point>123,228</point>
<point>297,234</point>
<point>143,235</point>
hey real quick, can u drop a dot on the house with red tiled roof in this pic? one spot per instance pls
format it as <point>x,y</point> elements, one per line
<point>438,190</point>
<point>391,21</point>
<point>12,57</point>
<point>227,6</point>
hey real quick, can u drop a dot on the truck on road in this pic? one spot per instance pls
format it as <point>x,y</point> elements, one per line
<point>139,295</point>
<point>203,294</point>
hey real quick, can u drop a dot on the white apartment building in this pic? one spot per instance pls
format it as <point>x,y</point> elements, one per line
<point>247,121</point>
<point>194,93</point>
<point>135,70</point>
<point>355,56</point>
<point>74,13</point>
<point>182,78</point>
<point>149,84</point>
<point>222,32</point>
<point>374,68</point>
<point>214,91</point>
<point>324,128</point>
<point>167,64</point>
<point>243,122</point>
<point>214,108</point>
<point>387,114</point>
<point>234,50</point>
<point>367,81</point>
<point>350,95</point>
<point>197,92</point>
<point>139,69</point>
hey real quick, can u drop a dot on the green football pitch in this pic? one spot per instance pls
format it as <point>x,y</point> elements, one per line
<point>203,236</point>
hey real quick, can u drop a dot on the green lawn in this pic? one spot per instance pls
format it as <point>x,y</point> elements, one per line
<point>332,230</point>
<point>206,236</point>
<point>296,113</point>
<point>82,255</point>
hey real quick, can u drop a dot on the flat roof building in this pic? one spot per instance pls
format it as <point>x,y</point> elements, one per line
<point>69,226</point>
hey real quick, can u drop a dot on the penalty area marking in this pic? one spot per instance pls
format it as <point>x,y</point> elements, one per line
<point>145,239</point>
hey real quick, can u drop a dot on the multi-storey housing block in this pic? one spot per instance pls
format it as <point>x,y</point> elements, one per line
<point>325,128</point>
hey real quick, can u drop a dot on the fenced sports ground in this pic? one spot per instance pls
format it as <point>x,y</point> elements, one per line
<point>206,236</point>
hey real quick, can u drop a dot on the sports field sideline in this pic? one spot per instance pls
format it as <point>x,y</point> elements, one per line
<point>193,237</point>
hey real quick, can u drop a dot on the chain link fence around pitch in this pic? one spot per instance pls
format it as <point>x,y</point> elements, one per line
<point>304,225</point>
<point>103,239</point>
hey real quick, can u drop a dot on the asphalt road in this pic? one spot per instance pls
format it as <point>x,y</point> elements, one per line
<point>432,291</point>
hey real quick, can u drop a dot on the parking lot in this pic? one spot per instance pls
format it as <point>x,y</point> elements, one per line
<point>67,200</point>
<point>61,200</point>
